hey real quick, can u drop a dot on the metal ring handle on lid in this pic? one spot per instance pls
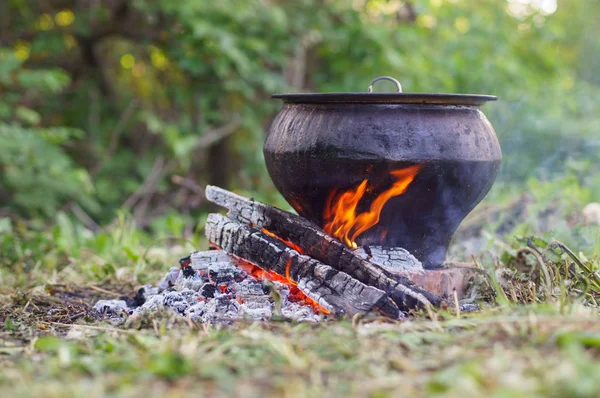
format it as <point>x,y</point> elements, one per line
<point>391,79</point>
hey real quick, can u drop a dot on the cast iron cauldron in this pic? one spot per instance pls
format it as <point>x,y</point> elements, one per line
<point>331,142</point>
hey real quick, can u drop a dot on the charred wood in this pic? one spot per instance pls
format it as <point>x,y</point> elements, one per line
<point>334,290</point>
<point>319,245</point>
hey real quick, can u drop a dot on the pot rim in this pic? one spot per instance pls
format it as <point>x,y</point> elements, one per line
<point>386,98</point>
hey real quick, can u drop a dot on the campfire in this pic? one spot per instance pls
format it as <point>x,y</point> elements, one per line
<point>369,175</point>
<point>333,275</point>
<point>309,268</point>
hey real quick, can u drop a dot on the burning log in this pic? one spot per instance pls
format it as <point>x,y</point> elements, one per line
<point>332,289</point>
<point>315,243</point>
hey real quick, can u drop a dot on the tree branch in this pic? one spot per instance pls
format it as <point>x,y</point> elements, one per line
<point>148,184</point>
<point>216,135</point>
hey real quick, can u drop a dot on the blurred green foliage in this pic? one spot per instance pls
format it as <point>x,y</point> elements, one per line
<point>136,105</point>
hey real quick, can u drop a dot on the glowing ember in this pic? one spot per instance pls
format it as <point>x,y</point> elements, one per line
<point>295,294</point>
<point>340,215</point>
<point>287,242</point>
<point>288,267</point>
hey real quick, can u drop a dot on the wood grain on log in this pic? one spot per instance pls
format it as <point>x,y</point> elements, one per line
<point>323,247</point>
<point>335,291</point>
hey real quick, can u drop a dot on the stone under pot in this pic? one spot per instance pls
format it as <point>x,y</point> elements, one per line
<point>405,168</point>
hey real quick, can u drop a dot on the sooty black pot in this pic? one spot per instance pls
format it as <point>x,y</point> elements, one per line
<point>319,143</point>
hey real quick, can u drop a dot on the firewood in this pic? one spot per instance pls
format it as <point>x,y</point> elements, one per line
<point>335,291</point>
<point>319,245</point>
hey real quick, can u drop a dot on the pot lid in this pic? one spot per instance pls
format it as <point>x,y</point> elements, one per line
<point>387,98</point>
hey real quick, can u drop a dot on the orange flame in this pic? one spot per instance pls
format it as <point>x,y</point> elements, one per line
<point>341,220</point>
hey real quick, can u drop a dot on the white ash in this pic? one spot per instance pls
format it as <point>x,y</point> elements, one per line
<point>154,304</point>
<point>299,312</point>
<point>148,290</point>
<point>111,308</point>
<point>262,312</point>
<point>200,260</point>
<point>190,296</point>
<point>214,290</point>
<point>469,307</point>
<point>393,259</point>
<point>193,283</point>
<point>169,279</point>
<point>175,301</point>
<point>194,312</point>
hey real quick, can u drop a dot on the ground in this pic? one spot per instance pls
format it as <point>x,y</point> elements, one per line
<point>538,350</point>
<point>537,334</point>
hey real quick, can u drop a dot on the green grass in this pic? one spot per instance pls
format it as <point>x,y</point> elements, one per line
<point>533,351</point>
<point>538,333</point>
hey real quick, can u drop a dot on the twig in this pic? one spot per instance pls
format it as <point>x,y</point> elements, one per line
<point>213,136</point>
<point>139,213</point>
<point>187,183</point>
<point>99,289</point>
<point>77,316</point>
<point>84,217</point>
<point>156,211</point>
<point>456,304</point>
<point>160,168</point>
<point>149,182</point>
